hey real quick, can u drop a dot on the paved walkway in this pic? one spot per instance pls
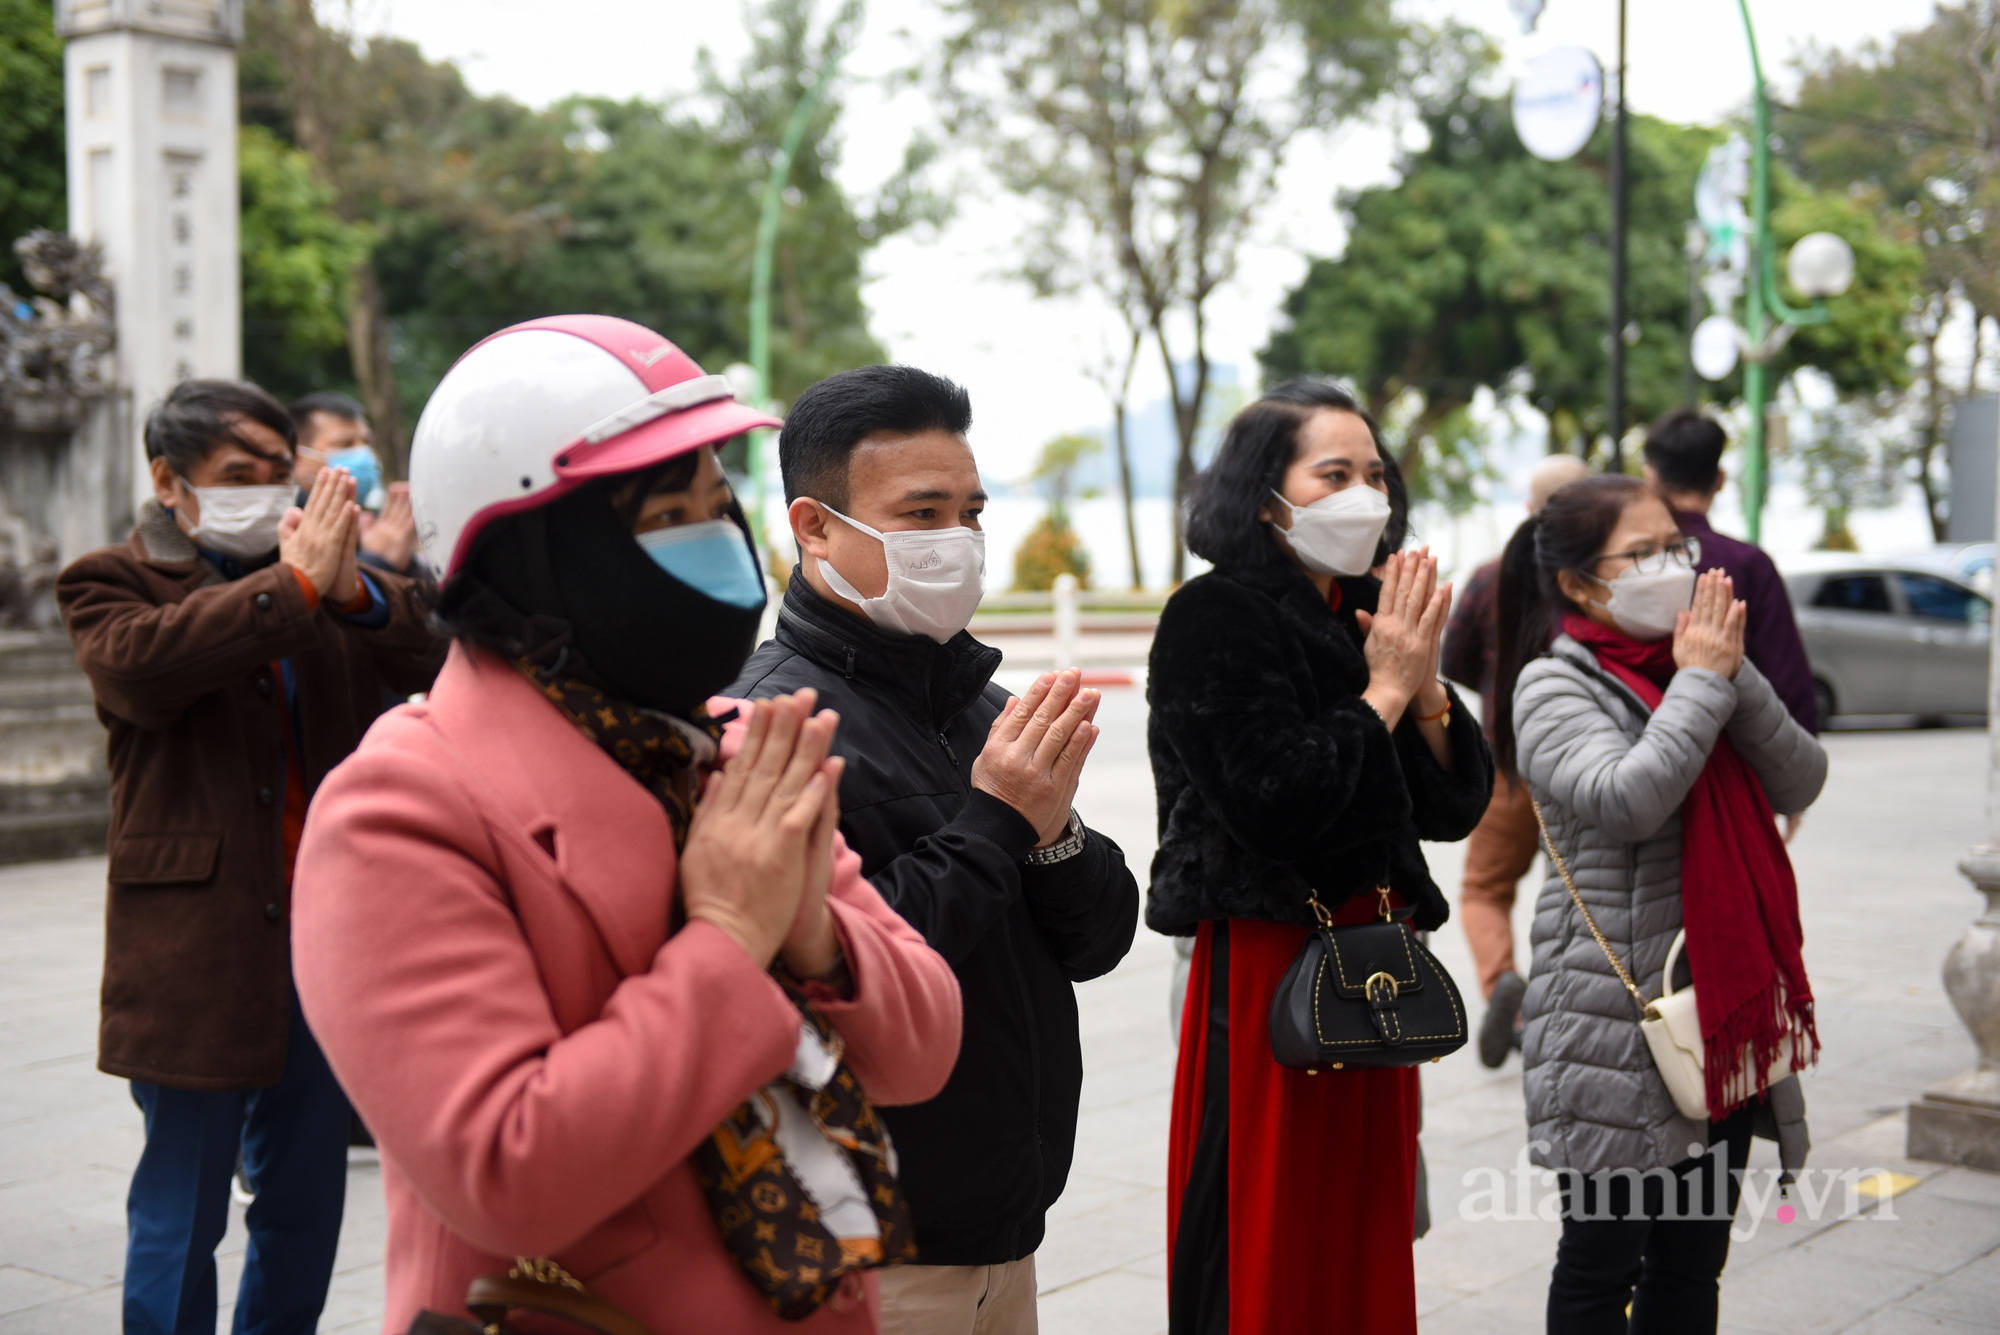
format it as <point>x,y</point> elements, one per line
<point>1882,904</point>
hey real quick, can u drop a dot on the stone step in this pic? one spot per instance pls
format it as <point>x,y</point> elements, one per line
<point>24,655</point>
<point>31,689</point>
<point>49,731</point>
<point>51,743</point>
<point>72,795</point>
<point>55,796</point>
<point>65,832</point>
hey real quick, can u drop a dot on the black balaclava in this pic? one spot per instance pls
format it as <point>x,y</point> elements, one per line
<point>584,584</point>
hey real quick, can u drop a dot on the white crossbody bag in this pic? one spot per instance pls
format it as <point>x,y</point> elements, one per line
<point>1671,1025</point>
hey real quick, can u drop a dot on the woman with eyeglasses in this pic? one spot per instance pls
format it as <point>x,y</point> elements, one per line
<point>1657,755</point>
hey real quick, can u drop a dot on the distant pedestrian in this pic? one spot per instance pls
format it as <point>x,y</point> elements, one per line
<point>593,961</point>
<point>1684,465</point>
<point>1501,851</point>
<point>237,651</point>
<point>957,797</point>
<point>1302,744</point>
<point>1658,753</point>
<point>333,429</point>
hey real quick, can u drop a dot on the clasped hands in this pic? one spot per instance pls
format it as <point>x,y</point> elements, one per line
<point>321,540</point>
<point>759,855</point>
<point>1034,752</point>
<point>1405,635</point>
<point>1709,634</point>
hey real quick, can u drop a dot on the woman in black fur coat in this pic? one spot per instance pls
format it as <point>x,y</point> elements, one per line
<point>1301,742</point>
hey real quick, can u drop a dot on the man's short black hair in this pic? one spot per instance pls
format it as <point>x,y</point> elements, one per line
<point>198,416</point>
<point>324,401</point>
<point>830,419</point>
<point>1685,449</point>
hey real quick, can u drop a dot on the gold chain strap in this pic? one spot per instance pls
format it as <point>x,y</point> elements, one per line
<point>1562,868</point>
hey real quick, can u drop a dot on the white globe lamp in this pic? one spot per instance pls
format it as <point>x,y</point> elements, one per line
<point>1821,265</point>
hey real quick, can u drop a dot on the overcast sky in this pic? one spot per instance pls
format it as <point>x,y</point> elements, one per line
<point>938,300</point>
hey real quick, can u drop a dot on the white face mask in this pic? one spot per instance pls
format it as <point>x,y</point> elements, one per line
<point>1338,534</point>
<point>1646,606</point>
<point>936,578</point>
<point>240,521</point>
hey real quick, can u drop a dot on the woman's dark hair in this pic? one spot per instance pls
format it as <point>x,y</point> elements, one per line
<point>1262,441</point>
<point>197,416</point>
<point>1568,534</point>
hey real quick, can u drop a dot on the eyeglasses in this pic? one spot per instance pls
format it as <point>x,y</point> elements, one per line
<point>1649,559</point>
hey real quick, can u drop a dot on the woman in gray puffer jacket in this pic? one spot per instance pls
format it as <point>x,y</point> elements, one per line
<point>1635,712</point>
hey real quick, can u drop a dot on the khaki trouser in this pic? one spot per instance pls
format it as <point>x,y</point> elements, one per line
<point>959,1299</point>
<point>1500,852</point>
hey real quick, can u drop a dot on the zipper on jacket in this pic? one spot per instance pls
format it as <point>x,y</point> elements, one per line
<point>949,754</point>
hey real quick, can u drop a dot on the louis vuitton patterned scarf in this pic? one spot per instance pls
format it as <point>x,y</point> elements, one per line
<point>801,1176</point>
<point>668,756</point>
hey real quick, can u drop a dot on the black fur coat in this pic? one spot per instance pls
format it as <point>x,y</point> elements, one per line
<point>1273,777</point>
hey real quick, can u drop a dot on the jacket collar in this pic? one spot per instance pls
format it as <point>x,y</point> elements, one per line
<point>933,682</point>
<point>556,784</point>
<point>1288,585</point>
<point>1579,656</point>
<point>1693,523</point>
<point>158,541</point>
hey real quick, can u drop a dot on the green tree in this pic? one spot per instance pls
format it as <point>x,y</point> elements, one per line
<point>488,212</point>
<point>1484,266</point>
<point>1912,125</point>
<point>1848,461</point>
<point>1052,546</point>
<point>1150,134</point>
<point>1484,263</point>
<point>33,189</point>
<point>297,256</point>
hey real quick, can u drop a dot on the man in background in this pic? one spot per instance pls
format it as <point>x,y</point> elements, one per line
<point>1503,845</point>
<point>1684,465</point>
<point>333,429</point>
<point>237,651</point>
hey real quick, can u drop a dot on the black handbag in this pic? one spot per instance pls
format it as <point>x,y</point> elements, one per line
<point>1365,996</point>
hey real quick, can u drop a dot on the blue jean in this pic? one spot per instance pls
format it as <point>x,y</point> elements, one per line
<point>293,1138</point>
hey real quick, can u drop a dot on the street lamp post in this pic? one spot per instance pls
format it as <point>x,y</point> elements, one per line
<point>760,276</point>
<point>1762,299</point>
<point>1620,202</point>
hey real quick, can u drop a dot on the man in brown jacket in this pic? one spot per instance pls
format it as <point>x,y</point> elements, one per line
<point>238,653</point>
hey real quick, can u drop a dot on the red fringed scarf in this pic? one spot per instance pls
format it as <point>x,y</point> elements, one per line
<point>1739,899</point>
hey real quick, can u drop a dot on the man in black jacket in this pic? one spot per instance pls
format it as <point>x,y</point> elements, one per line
<point>957,799</point>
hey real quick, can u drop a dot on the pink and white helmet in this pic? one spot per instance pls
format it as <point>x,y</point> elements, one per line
<point>537,410</point>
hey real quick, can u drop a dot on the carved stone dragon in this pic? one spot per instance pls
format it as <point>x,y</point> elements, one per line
<point>48,347</point>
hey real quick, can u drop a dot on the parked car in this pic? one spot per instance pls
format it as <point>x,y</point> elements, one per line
<point>1967,562</point>
<point>1891,636</point>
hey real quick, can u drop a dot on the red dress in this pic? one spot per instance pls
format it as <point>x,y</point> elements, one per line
<point>1320,1188</point>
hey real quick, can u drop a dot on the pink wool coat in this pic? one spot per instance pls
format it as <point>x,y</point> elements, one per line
<point>480,943</point>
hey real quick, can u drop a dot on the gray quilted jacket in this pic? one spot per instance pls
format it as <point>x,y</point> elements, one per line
<point>1611,777</point>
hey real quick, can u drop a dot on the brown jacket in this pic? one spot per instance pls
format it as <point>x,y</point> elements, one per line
<point>197,947</point>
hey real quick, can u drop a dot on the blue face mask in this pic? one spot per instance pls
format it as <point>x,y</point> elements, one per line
<point>712,558</point>
<point>361,462</point>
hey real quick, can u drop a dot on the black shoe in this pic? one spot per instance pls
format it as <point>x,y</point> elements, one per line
<point>1497,1035</point>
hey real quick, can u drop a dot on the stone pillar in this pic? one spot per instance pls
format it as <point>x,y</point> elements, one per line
<point>151,93</point>
<point>1958,1120</point>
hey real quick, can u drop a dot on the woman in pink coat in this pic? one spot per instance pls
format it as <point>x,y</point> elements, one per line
<point>537,916</point>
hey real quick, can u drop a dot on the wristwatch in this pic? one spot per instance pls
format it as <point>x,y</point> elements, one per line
<point>1063,849</point>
